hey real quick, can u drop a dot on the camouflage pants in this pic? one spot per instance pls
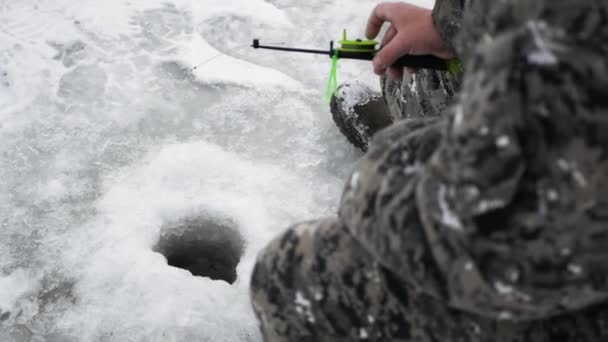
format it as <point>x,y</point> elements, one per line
<point>317,283</point>
<point>426,93</point>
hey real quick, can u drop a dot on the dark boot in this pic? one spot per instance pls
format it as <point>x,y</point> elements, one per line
<point>359,113</point>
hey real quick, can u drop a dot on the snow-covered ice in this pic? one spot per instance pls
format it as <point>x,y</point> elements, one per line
<point>107,134</point>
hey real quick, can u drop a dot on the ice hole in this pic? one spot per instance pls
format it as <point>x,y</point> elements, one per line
<point>206,246</point>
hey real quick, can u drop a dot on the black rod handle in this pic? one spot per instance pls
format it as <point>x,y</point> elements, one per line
<point>422,62</point>
<point>411,61</point>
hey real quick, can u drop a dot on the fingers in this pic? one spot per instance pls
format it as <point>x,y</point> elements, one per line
<point>394,73</point>
<point>381,14</point>
<point>389,54</point>
<point>389,35</point>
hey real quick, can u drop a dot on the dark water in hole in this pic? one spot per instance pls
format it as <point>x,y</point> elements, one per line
<point>207,247</point>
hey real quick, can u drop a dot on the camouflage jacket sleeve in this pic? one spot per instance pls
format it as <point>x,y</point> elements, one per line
<point>514,202</point>
<point>447,18</point>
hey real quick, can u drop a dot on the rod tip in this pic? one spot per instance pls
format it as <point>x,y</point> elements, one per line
<point>256,43</point>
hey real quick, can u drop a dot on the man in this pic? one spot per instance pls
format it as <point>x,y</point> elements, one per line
<point>487,223</point>
<point>426,93</point>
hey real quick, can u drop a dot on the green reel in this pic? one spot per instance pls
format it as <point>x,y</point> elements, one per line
<point>358,45</point>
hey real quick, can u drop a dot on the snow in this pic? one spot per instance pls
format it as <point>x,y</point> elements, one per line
<point>543,55</point>
<point>108,133</point>
<point>237,72</point>
<point>354,180</point>
<point>505,316</point>
<point>575,269</point>
<point>503,288</point>
<point>448,217</point>
<point>303,307</point>
<point>356,94</point>
<point>553,195</point>
<point>503,141</point>
<point>469,266</point>
<point>13,286</point>
<point>542,58</point>
<point>573,170</point>
<point>483,206</point>
<point>458,116</point>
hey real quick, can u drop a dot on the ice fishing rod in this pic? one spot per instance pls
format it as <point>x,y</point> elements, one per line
<point>365,50</point>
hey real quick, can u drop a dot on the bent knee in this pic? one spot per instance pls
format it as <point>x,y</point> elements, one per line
<point>284,264</point>
<point>285,278</point>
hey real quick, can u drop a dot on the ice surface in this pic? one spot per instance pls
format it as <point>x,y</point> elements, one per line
<point>107,134</point>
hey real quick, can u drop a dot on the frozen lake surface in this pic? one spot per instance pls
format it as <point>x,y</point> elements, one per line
<point>112,148</point>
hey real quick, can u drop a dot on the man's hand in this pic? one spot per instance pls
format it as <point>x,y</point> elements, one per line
<point>411,33</point>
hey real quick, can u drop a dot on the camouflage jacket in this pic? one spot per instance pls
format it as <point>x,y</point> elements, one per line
<point>510,187</point>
